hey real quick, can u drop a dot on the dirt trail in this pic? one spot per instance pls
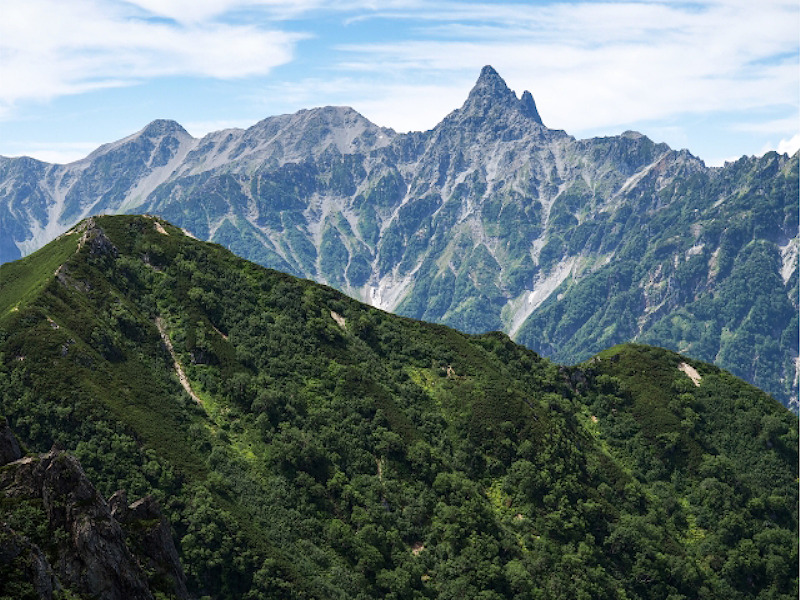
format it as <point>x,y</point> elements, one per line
<point>178,368</point>
<point>222,335</point>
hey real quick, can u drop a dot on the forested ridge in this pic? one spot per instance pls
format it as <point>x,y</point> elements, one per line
<point>338,451</point>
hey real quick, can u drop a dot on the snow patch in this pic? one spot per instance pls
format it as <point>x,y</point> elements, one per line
<point>389,291</point>
<point>43,232</point>
<point>639,175</point>
<point>147,184</point>
<point>537,246</point>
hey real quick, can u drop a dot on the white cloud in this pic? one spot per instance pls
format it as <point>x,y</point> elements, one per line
<point>51,48</point>
<point>57,152</point>
<point>600,64</point>
<point>592,66</point>
<point>390,104</point>
<point>195,11</point>
<point>791,123</point>
<point>400,109</point>
<point>187,10</point>
<point>784,146</point>
<point>789,146</point>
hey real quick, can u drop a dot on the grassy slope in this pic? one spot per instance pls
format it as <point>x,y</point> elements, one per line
<point>24,279</point>
<point>323,454</point>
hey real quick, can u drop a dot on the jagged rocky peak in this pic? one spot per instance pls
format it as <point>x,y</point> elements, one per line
<point>161,127</point>
<point>92,557</point>
<point>633,135</point>
<point>529,107</point>
<point>491,95</point>
<point>326,116</point>
<point>310,132</point>
<point>170,132</point>
<point>147,529</point>
<point>335,115</point>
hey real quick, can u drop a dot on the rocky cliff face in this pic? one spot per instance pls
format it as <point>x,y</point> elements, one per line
<point>481,223</point>
<point>59,534</point>
<point>148,534</point>
<point>9,446</point>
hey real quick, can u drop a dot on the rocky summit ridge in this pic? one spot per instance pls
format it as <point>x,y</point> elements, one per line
<point>491,98</point>
<point>490,220</point>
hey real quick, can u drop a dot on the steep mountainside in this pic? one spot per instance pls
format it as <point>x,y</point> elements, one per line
<point>304,445</point>
<point>482,223</point>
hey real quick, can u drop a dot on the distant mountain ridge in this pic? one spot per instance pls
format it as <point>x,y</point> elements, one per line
<point>482,223</point>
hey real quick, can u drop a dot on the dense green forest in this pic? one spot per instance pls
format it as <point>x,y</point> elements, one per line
<point>331,450</point>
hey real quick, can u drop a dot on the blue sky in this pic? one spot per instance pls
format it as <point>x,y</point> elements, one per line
<point>719,77</point>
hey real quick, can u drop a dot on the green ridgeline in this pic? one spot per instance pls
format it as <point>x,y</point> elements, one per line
<point>338,451</point>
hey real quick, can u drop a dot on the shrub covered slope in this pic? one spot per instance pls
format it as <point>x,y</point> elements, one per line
<point>304,445</point>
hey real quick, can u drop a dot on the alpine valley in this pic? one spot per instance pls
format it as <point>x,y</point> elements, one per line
<point>193,425</point>
<point>490,221</point>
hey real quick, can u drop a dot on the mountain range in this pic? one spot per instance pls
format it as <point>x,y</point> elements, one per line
<point>489,221</point>
<point>288,441</point>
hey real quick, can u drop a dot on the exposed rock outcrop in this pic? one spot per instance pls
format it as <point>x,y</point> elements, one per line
<point>90,551</point>
<point>148,534</point>
<point>87,548</point>
<point>9,446</point>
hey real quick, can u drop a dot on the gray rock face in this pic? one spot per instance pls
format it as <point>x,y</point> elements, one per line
<point>93,556</point>
<point>9,446</point>
<point>491,99</point>
<point>148,530</point>
<point>91,545</point>
<point>491,220</point>
<point>32,565</point>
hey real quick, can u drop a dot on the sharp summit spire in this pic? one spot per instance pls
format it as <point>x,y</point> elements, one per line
<point>490,94</point>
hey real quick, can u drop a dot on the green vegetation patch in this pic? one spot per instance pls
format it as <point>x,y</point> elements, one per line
<point>22,280</point>
<point>338,451</point>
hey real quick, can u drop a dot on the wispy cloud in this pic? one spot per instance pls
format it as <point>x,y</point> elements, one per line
<point>57,152</point>
<point>401,106</point>
<point>782,125</point>
<point>596,64</point>
<point>784,146</point>
<point>51,48</point>
<point>593,66</point>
